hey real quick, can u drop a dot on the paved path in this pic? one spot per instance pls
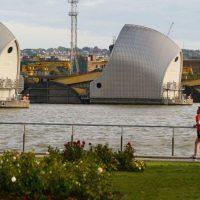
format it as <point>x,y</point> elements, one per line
<point>167,158</point>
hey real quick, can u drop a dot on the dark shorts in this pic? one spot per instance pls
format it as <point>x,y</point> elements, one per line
<point>198,134</point>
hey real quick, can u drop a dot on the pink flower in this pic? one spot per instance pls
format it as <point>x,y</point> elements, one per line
<point>110,195</point>
<point>24,197</point>
<point>49,197</point>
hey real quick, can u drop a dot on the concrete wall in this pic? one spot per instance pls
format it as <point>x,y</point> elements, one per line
<point>172,78</point>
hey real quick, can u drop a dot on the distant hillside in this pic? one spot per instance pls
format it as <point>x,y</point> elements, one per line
<point>191,54</point>
<point>64,51</point>
<point>187,53</point>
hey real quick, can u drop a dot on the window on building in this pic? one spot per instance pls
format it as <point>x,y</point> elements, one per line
<point>176,59</point>
<point>10,49</point>
<point>99,85</point>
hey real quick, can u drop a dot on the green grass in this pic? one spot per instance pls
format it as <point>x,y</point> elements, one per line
<point>160,181</point>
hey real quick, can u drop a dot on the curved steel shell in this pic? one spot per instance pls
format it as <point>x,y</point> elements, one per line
<point>138,66</point>
<point>6,36</point>
<point>9,64</point>
<point>9,54</point>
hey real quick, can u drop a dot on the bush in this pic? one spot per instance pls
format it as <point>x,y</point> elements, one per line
<point>26,177</point>
<point>19,174</point>
<point>125,157</point>
<point>74,150</point>
<point>137,165</point>
<point>106,156</point>
<point>80,179</point>
<point>73,174</point>
<point>121,160</point>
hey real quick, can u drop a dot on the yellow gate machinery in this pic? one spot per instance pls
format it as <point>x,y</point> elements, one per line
<point>46,68</point>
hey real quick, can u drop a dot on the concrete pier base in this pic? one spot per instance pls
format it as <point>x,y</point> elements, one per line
<point>15,104</point>
<point>178,101</point>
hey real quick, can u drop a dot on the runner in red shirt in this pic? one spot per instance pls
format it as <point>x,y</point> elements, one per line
<point>197,141</point>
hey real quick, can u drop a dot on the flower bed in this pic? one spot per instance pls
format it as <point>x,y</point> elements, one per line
<point>70,174</point>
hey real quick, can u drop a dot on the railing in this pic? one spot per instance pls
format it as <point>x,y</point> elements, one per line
<point>121,126</point>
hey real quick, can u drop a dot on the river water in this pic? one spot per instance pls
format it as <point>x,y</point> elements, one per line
<point>146,141</point>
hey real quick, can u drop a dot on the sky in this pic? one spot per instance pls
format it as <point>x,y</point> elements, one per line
<point>46,24</point>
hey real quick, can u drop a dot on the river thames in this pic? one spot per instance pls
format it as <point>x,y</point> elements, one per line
<point>146,141</point>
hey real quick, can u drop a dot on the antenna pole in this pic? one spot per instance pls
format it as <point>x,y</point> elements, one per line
<point>170,28</point>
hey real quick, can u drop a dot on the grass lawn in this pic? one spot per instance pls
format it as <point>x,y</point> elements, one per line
<point>160,181</point>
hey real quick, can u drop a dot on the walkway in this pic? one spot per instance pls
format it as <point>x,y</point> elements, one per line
<point>167,158</point>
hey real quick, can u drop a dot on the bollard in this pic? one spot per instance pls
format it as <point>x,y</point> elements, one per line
<point>121,139</point>
<point>24,138</point>
<point>173,143</point>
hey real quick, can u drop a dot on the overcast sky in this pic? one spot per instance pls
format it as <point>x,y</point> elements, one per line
<point>45,23</point>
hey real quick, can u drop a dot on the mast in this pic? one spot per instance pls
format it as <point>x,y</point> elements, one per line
<point>73,53</point>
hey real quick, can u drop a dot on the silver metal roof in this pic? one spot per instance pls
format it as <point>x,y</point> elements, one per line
<point>137,65</point>
<point>5,36</point>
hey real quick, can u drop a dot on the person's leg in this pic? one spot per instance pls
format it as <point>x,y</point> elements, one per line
<point>196,147</point>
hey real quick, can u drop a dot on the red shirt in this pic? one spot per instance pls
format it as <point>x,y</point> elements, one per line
<point>198,122</point>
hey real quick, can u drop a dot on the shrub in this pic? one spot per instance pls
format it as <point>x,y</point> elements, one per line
<point>23,176</point>
<point>106,156</point>
<point>8,172</point>
<point>73,174</point>
<point>19,175</point>
<point>79,179</point>
<point>54,178</point>
<point>137,165</point>
<point>74,150</point>
<point>125,157</point>
<point>54,154</point>
<point>90,179</point>
<point>29,180</point>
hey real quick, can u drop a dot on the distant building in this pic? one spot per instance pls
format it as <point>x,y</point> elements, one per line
<point>145,66</point>
<point>94,63</point>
